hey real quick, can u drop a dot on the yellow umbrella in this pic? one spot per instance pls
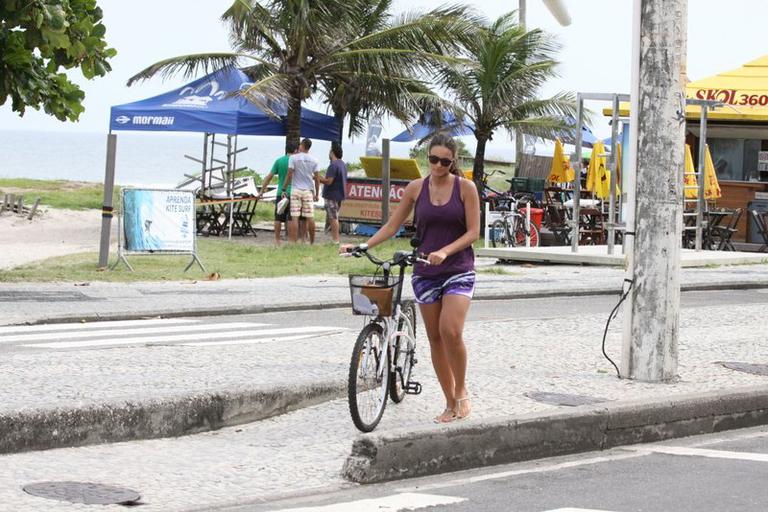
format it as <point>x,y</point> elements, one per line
<point>561,170</point>
<point>598,175</point>
<point>689,178</point>
<point>711,186</point>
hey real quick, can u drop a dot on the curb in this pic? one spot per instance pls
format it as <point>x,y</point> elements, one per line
<point>434,450</point>
<point>129,421</point>
<point>310,306</point>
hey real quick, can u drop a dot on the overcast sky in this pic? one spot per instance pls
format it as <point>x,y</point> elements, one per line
<point>595,55</point>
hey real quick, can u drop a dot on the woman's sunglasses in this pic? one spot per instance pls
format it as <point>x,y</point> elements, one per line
<point>445,162</point>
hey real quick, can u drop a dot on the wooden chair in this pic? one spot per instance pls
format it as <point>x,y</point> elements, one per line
<point>761,220</point>
<point>591,227</point>
<point>557,223</point>
<point>720,235</point>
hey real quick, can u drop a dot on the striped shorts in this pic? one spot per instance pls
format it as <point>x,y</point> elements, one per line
<point>302,204</point>
<point>429,290</point>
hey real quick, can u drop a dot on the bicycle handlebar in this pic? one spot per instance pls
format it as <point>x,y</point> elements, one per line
<point>360,250</point>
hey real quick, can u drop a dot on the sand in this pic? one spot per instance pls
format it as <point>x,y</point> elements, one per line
<point>50,233</point>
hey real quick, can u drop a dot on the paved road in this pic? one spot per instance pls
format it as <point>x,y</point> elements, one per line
<point>726,471</point>
<point>293,326</point>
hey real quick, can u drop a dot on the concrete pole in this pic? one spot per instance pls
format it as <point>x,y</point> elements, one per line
<point>106,209</point>
<point>518,133</point>
<point>385,181</point>
<point>651,320</point>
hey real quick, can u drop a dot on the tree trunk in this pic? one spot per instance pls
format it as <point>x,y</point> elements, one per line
<point>339,114</point>
<point>478,176</point>
<point>293,118</point>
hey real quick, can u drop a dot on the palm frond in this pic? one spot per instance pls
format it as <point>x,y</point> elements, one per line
<point>190,65</point>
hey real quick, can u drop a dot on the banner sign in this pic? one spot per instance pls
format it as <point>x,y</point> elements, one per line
<point>731,97</point>
<point>362,202</point>
<point>159,220</point>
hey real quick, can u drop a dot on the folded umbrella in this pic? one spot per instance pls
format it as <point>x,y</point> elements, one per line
<point>561,170</point>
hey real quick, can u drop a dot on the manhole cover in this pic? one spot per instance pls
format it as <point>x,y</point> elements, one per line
<point>83,492</point>
<point>755,369</point>
<point>564,399</point>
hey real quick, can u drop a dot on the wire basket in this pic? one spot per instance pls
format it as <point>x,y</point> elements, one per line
<point>373,295</point>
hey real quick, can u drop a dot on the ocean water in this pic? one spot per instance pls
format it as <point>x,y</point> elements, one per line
<point>157,159</point>
<point>145,159</point>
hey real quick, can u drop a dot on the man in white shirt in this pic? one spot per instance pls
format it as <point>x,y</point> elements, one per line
<point>303,172</point>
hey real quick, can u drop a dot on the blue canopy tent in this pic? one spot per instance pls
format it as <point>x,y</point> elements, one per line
<point>421,131</point>
<point>207,105</point>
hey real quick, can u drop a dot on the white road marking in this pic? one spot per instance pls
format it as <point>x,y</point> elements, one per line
<point>701,452</point>
<point>739,437</point>
<point>248,341</point>
<point>91,325</point>
<point>155,340</point>
<point>506,474</point>
<point>116,333</point>
<point>576,510</point>
<point>394,503</point>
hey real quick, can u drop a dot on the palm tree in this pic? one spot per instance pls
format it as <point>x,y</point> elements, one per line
<point>351,51</point>
<point>500,89</point>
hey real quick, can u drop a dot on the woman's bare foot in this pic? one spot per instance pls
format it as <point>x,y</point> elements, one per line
<point>446,416</point>
<point>462,408</point>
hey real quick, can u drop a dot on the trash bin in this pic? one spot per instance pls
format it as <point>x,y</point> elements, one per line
<point>760,206</point>
<point>537,215</point>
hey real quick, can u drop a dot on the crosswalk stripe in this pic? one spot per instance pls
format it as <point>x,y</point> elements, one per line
<point>569,509</point>
<point>91,325</point>
<point>155,340</point>
<point>394,503</point>
<point>114,333</point>
<point>250,341</point>
<point>702,452</point>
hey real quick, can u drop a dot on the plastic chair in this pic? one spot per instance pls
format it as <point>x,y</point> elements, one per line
<point>762,227</point>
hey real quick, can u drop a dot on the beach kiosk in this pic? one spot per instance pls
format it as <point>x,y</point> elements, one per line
<point>737,134</point>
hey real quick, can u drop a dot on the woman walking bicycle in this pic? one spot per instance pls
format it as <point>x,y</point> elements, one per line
<point>447,210</point>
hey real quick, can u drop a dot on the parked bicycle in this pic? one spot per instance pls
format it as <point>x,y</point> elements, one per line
<point>513,228</point>
<point>385,351</point>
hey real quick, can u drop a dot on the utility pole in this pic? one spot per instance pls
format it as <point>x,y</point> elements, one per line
<point>651,320</point>
<point>521,14</point>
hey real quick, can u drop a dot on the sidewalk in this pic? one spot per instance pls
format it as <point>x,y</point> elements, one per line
<point>306,449</point>
<point>52,302</point>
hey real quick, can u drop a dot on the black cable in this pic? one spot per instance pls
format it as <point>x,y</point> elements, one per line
<point>614,313</point>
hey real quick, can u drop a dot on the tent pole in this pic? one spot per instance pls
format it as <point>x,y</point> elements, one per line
<point>106,209</point>
<point>577,172</point>
<point>231,158</point>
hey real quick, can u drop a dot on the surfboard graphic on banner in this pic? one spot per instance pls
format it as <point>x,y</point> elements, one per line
<point>159,220</point>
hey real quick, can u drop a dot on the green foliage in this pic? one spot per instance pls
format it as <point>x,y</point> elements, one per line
<point>38,38</point>
<point>69,195</point>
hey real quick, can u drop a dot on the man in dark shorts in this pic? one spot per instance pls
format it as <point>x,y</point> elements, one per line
<point>334,186</point>
<point>280,169</point>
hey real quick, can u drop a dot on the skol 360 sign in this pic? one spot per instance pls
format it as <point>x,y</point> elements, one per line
<point>733,97</point>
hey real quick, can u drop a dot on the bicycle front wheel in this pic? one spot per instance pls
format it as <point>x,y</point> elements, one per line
<point>405,351</point>
<point>368,378</point>
<point>500,235</point>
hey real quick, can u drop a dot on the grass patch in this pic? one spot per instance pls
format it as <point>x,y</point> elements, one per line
<point>231,260</point>
<point>71,195</point>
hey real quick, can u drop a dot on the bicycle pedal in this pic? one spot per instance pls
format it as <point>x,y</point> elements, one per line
<point>413,388</point>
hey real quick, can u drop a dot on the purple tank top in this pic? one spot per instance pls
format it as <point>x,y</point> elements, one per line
<point>438,226</point>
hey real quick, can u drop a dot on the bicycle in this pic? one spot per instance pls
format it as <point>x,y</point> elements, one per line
<point>512,229</point>
<point>385,350</point>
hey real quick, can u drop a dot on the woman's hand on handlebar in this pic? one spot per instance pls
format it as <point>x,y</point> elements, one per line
<point>437,257</point>
<point>346,248</point>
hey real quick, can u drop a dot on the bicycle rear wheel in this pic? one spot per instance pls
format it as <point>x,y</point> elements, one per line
<point>367,387</point>
<point>405,351</point>
<point>520,235</point>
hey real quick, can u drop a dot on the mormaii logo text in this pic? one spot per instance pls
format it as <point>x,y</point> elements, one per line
<point>146,120</point>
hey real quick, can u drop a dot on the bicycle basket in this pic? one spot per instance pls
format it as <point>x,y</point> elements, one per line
<point>373,295</point>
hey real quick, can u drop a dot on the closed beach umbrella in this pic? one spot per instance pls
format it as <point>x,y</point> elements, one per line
<point>561,170</point>
<point>711,185</point>
<point>598,175</point>
<point>689,178</point>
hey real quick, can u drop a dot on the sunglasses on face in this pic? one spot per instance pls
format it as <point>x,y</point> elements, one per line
<point>445,162</point>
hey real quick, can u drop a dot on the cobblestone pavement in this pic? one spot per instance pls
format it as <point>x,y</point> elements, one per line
<point>29,302</point>
<point>305,449</point>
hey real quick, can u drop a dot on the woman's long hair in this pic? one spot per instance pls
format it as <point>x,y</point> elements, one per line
<point>447,141</point>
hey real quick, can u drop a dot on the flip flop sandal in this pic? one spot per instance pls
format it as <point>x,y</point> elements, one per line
<point>456,408</point>
<point>443,418</point>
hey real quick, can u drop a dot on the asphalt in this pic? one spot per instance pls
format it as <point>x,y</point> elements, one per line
<point>376,457</point>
